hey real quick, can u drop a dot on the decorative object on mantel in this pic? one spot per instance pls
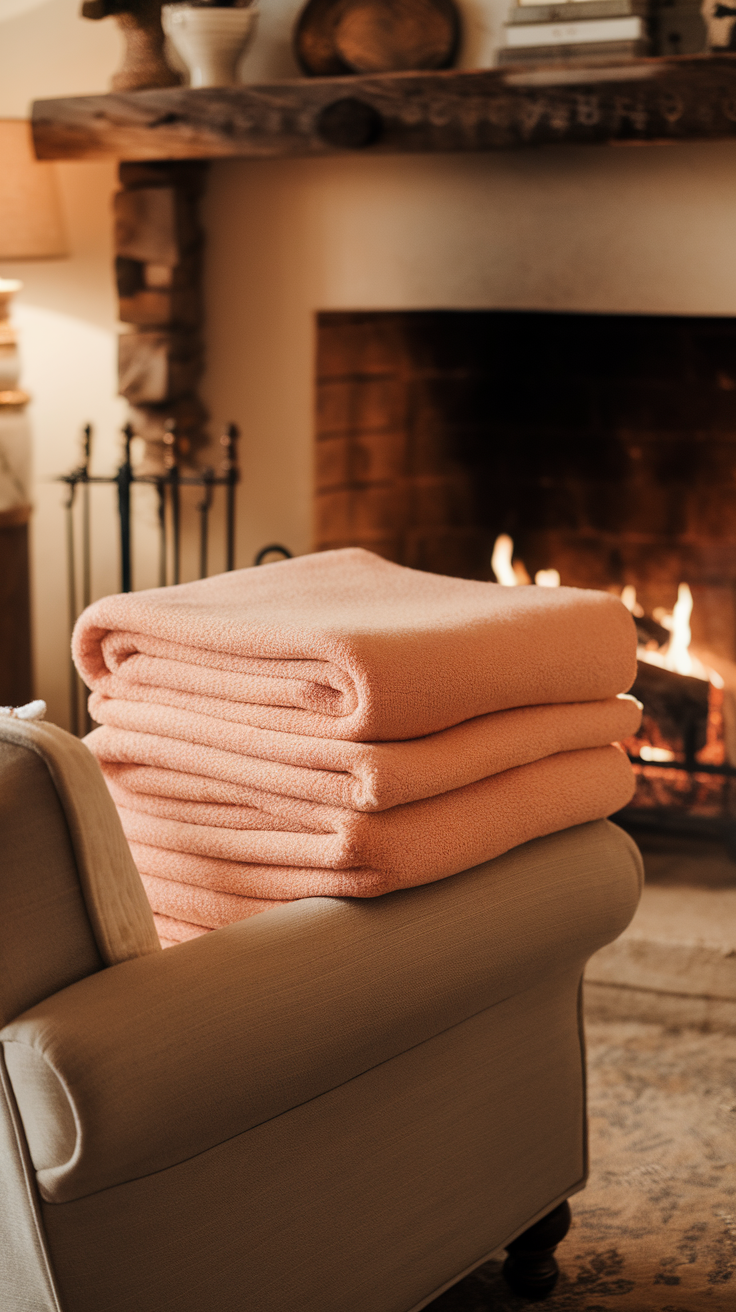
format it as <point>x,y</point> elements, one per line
<point>211,39</point>
<point>604,30</point>
<point>720,26</point>
<point>144,63</point>
<point>30,229</point>
<point>689,98</point>
<point>678,27</point>
<point>334,37</point>
<point>610,30</point>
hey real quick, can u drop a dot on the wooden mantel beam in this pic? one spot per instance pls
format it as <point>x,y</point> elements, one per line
<point>670,99</point>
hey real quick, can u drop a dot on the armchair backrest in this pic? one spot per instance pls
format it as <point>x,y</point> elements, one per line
<point>71,900</point>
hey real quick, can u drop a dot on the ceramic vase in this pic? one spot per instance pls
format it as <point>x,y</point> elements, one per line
<point>210,41</point>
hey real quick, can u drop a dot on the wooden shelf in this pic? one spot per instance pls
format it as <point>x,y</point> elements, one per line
<point>688,98</point>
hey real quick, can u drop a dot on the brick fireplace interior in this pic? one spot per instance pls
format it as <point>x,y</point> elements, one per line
<point>605,445</point>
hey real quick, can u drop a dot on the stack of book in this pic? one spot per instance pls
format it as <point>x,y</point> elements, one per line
<point>607,30</point>
<point>576,31</point>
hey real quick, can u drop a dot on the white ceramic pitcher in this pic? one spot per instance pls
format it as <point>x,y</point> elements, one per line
<point>211,41</point>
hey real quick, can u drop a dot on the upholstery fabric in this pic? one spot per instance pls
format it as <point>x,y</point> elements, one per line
<point>47,939</point>
<point>346,1103</point>
<point>116,905</point>
<point>272,1012</point>
<point>369,1197</point>
<point>27,1283</point>
<point>343,644</point>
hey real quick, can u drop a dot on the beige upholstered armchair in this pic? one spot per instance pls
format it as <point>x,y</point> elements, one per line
<point>336,1106</point>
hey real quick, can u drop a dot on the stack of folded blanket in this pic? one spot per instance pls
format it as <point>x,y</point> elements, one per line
<point>340,725</point>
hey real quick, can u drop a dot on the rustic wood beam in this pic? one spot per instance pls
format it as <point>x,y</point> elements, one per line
<point>670,99</point>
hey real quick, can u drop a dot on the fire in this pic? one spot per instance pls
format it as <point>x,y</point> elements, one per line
<point>678,649</point>
<point>503,550</point>
<point>547,578</point>
<point>628,597</point>
<point>676,656</point>
<point>508,571</point>
<point>511,572</point>
<point>654,754</point>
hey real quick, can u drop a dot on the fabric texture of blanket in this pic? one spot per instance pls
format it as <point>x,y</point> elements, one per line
<point>365,776</point>
<point>362,855</point>
<point>343,644</point>
<point>340,725</point>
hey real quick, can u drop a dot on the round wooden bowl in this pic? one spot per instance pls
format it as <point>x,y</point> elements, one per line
<point>334,37</point>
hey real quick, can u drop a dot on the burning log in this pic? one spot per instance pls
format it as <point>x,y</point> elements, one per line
<point>649,632</point>
<point>688,721</point>
<point>726,671</point>
<point>675,709</point>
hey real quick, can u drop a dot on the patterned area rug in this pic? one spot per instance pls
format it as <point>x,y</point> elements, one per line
<point>655,1230</point>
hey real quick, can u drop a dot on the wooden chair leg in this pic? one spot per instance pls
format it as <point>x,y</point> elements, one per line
<point>530,1268</point>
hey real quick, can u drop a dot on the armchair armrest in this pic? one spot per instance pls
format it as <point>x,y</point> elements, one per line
<point>157,1059</point>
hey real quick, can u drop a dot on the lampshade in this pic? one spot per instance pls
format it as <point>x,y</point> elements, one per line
<point>31,226</point>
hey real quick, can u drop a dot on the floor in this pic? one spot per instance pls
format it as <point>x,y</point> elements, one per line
<point>655,1230</point>
<point>676,962</point>
<point>678,861</point>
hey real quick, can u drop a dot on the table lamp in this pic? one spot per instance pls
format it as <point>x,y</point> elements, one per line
<point>30,229</point>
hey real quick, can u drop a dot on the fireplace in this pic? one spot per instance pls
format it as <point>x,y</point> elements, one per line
<point>603,445</point>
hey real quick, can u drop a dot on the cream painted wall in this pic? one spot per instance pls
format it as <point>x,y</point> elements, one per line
<point>596,229</point>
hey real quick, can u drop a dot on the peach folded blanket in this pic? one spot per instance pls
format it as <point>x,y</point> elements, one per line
<point>211,874</point>
<point>194,757</point>
<point>345,645</point>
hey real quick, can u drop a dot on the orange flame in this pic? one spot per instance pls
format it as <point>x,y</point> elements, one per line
<point>676,656</point>
<point>508,571</point>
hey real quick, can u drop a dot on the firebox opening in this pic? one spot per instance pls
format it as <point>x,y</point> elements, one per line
<point>603,446</point>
